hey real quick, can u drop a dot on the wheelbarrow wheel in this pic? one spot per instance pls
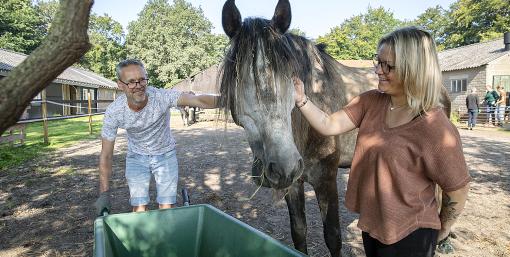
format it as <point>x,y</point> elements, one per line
<point>185,197</point>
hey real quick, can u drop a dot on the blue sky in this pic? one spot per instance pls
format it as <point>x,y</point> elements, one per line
<point>314,17</point>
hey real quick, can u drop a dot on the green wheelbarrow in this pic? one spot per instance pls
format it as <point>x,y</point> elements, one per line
<point>189,231</point>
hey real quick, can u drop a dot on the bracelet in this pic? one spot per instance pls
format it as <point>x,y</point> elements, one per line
<point>302,104</point>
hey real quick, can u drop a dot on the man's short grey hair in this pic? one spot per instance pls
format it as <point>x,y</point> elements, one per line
<point>473,90</point>
<point>126,63</point>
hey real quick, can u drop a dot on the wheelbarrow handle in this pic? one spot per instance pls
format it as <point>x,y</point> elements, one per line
<point>185,197</point>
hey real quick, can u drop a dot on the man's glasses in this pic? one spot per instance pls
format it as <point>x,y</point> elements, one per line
<point>385,67</point>
<point>134,84</point>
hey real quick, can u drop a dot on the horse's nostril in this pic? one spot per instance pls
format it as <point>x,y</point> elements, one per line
<point>274,170</point>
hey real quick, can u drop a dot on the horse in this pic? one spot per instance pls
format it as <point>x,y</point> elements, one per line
<point>184,110</point>
<point>256,89</point>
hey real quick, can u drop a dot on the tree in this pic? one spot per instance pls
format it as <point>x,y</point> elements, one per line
<point>297,31</point>
<point>64,45</point>
<point>473,21</point>
<point>357,37</point>
<point>174,41</point>
<point>47,11</point>
<point>107,39</point>
<point>435,20</point>
<point>106,36</point>
<point>21,27</point>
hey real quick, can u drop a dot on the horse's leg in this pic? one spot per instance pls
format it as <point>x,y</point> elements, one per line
<point>295,199</point>
<point>182,117</point>
<point>327,196</point>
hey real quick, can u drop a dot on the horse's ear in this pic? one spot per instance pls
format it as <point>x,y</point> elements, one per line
<point>282,16</point>
<point>231,18</point>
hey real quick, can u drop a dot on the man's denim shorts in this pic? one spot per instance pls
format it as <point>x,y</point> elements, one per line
<point>138,175</point>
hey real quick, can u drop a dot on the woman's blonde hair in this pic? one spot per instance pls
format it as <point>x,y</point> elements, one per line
<point>416,66</point>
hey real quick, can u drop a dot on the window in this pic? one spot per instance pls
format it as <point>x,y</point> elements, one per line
<point>458,85</point>
<point>502,80</point>
<point>85,91</point>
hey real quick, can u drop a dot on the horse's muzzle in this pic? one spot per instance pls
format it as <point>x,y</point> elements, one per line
<point>282,176</point>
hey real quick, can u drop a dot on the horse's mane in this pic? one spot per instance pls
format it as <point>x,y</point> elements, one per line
<point>284,56</point>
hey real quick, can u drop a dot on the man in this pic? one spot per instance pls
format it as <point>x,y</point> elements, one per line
<point>491,96</point>
<point>144,112</point>
<point>472,106</point>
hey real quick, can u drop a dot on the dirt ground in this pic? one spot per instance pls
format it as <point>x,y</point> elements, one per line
<point>46,205</point>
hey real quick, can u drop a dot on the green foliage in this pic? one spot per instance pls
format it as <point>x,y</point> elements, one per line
<point>21,27</point>
<point>357,37</point>
<point>105,34</point>
<point>455,118</point>
<point>474,21</point>
<point>435,20</point>
<point>173,40</point>
<point>47,10</point>
<point>465,22</point>
<point>107,39</point>
<point>297,31</point>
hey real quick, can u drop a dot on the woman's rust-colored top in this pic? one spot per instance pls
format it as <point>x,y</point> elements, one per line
<point>394,170</point>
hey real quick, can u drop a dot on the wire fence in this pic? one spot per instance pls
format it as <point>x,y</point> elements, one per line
<point>98,111</point>
<point>78,105</point>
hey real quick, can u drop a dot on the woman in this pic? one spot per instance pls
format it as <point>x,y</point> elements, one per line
<point>405,145</point>
<point>501,105</point>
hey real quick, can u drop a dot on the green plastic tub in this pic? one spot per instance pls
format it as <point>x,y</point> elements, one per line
<point>194,231</point>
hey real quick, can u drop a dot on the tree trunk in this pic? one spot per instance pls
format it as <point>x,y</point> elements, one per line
<point>66,42</point>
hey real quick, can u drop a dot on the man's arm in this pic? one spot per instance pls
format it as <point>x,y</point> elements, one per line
<point>452,206</point>
<point>201,101</point>
<point>105,164</point>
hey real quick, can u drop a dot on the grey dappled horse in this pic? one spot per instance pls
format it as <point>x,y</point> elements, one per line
<point>257,90</point>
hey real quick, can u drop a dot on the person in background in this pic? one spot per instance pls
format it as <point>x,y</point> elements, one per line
<point>501,105</point>
<point>472,104</point>
<point>491,96</point>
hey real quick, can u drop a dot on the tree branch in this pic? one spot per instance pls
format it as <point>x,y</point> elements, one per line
<point>66,42</point>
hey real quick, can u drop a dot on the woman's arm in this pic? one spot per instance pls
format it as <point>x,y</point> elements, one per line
<point>326,124</point>
<point>452,206</point>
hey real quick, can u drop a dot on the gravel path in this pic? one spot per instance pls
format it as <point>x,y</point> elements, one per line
<point>45,205</point>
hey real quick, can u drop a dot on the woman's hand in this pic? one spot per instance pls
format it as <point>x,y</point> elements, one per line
<point>442,234</point>
<point>299,90</point>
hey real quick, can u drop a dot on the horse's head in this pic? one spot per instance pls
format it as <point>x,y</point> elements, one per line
<point>257,88</point>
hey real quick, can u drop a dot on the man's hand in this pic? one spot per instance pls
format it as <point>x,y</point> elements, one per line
<point>103,203</point>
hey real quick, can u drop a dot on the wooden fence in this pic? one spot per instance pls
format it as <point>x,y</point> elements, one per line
<point>13,134</point>
<point>17,132</point>
<point>483,117</point>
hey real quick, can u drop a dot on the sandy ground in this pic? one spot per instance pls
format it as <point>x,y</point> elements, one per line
<point>46,204</point>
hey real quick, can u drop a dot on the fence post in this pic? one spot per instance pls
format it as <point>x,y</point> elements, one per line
<point>23,134</point>
<point>90,113</point>
<point>11,133</point>
<point>44,116</point>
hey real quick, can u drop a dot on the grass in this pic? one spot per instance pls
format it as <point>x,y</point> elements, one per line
<point>455,118</point>
<point>61,133</point>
